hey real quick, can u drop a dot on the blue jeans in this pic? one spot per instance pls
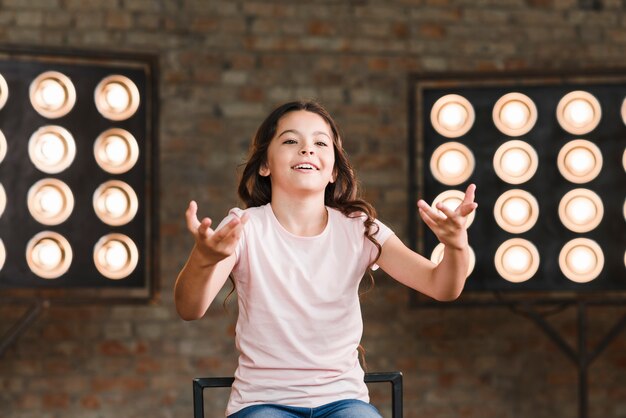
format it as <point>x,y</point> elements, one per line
<point>348,408</point>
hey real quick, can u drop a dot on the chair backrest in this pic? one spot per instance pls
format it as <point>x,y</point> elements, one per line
<point>395,378</point>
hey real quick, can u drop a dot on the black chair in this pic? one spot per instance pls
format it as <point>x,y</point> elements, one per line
<point>395,378</point>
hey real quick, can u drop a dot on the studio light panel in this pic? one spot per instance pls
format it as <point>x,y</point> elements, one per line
<point>547,154</point>
<point>77,173</point>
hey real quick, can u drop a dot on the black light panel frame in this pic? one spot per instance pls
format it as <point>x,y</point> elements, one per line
<point>547,137</point>
<point>82,229</point>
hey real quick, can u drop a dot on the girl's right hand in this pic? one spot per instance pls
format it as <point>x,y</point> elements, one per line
<point>213,246</point>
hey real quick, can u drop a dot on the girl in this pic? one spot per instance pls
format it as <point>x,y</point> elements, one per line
<point>297,255</point>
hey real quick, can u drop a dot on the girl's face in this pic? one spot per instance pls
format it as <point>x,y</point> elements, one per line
<point>301,156</point>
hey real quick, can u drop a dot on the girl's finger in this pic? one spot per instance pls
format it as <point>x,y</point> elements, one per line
<point>427,219</point>
<point>203,228</point>
<point>470,194</point>
<point>447,211</point>
<point>227,229</point>
<point>422,205</point>
<point>468,208</point>
<point>191,217</point>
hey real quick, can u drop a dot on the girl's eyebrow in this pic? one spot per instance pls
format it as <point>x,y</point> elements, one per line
<point>294,131</point>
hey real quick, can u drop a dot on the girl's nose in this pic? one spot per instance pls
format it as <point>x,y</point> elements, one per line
<point>306,151</point>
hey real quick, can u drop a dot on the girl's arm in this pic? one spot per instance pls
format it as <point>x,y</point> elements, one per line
<point>443,281</point>
<point>209,264</point>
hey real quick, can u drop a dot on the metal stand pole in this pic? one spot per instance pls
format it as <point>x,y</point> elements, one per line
<point>581,358</point>
<point>28,318</point>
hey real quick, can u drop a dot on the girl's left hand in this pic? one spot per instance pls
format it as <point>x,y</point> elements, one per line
<point>450,229</point>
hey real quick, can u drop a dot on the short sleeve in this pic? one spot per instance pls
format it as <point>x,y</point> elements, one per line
<point>234,212</point>
<point>383,233</point>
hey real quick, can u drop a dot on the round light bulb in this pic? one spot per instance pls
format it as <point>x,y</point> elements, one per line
<point>578,112</point>
<point>517,260</point>
<point>581,210</point>
<point>580,161</point>
<point>51,200</point>
<point>581,260</point>
<point>116,202</point>
<point>452,163</point>
<point>53,94</point>
<point>115,256</point>
<point>116,150</point>
<point>48,255</point>
<point>452,115</point>
<point>515,162</point>
<point>117,96</point>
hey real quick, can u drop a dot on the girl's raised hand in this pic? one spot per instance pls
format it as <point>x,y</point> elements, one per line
<point>214,246</point>
<point>450,229</point>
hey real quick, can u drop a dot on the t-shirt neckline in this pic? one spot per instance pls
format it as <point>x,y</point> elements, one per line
<point>272,215</point>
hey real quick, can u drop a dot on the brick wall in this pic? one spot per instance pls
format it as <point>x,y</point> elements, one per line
<point>224,65</point>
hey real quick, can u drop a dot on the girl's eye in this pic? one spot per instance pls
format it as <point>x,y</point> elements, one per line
<point>289,141</point>
<point>321,143</point>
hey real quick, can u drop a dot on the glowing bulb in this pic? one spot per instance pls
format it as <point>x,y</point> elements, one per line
<point>580,210</point>
<point>579,112</point>
<point>516,210</point>
<point>452,163</point>
<point>517,259</point>
<point>48,254</point>
<point>3,199</point>
<point>51,200</point>
<point>515,161</point>
<point>116,202</point>
<point>4,91</point>
<point>580,161</point>
<point>515,114</point>
<point>3,254</point>
<point>116,150</point>
<point>53,94</point>
<point>116,255</point>
<point>117,97</point>
<point>52,148</point>
<point>452,116</point>
<point>581,260</point>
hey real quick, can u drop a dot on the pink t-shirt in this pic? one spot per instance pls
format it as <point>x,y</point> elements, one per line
<point>299,319</point>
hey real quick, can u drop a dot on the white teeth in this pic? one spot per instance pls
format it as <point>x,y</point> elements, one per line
<point>305,166</point>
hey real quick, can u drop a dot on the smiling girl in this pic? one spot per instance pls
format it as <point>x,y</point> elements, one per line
<point>297,254</point>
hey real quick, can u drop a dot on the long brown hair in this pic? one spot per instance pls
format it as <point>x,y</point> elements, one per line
<point>342,194</point>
